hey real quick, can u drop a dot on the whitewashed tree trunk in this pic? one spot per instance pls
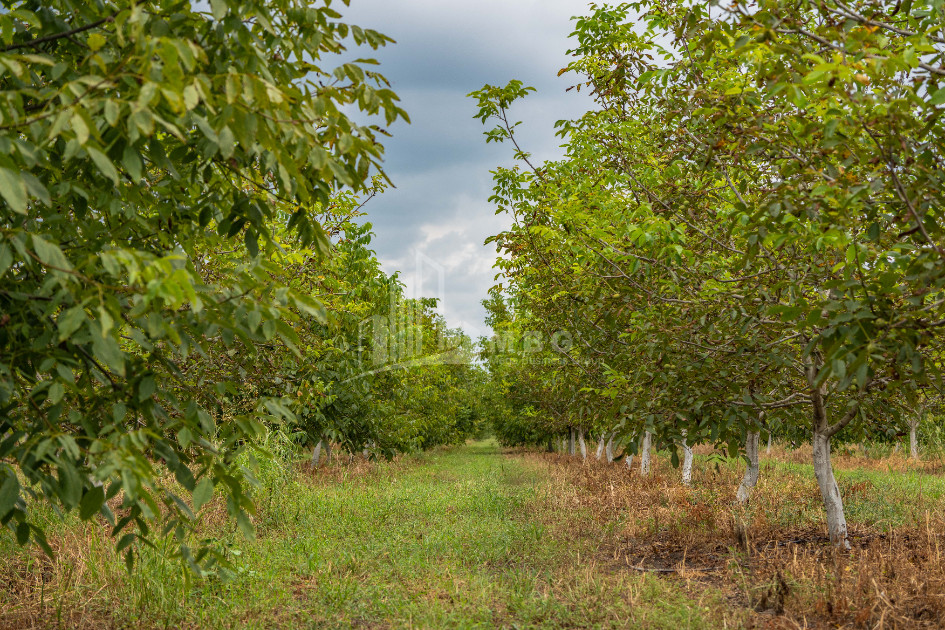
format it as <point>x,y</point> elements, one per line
<point>600,447</point>
<point>327,451</point>
<point>751,471</point>
<point>564,445</point>
<point>629,460</point>
<point>645,454</point>
<point>829,491</point>
<point>317,454</point>
<point>687,463</point>
<point>914,438</point>
<point>768,449</point>
<point>609,451</point>
<point>571,442</point>
<point>582,443</point>
<point>823,470</point>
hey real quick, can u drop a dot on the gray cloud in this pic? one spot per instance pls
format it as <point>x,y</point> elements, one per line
<point>439,213</point>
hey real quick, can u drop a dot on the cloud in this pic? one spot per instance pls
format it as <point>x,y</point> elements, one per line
<point>439,213</point>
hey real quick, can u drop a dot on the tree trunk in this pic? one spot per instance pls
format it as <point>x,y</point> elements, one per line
<point>317,454</point>
<point>551,445</point>
<point>327,451</point>
<point>571,442</point>
<point>687,463</point>
<point>609,451</point>
<point>914,439</point>
<point>829,491</point>
<point>768,449</point>
<point>751,472</point>
<point>581,443</point>
<point>564,445</point>
<point>645,454</point>
<point>600,447</point>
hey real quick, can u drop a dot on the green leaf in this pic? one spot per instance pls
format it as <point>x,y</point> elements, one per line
<point>70,486</point>
<point>251,239</point>
<point>311,306</point>
<point>9,492</point>
<point>131,160</point>
<point>203,493</point>
<point>80,128</point>
<point>36,189</point>
<point>50,254</point>
<point>219,9</point>
<point>22,533</point>
<point>125,541</point>
<point>56,392</point>
<point>227,142</point>
<point>245,525</point>
<point>13,190</point>
<point>96,41</point>
<point>6,258</point>
<point>340,172</point>
<point>146,388</point>
<point>107,351</point>
<point>104,164</point>
<point>40,537</point>
<point>91,502</point>
<point>938,97</point>
<point>70,321</point>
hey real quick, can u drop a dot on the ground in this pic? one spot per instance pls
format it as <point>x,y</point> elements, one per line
<point>476,536</point>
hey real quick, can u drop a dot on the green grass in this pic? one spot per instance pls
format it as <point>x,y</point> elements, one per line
<point>458,538</point>
<point>885,499</point>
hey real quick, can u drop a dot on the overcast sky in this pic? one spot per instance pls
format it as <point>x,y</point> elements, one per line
<point>439,214</point>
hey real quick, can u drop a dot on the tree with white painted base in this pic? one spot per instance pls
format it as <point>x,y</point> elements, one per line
<point>687,462</point>
<point>645,453</point>
<point>751,472</point>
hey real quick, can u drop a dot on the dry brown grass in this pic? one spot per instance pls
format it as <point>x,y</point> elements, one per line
<point>39,592</point>
<point>773,575</point>
<point>854,456</point>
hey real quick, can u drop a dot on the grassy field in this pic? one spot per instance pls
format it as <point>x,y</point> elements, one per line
<point>473,537</point>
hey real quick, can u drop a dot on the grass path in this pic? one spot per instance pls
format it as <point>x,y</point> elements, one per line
<point>461,538</point>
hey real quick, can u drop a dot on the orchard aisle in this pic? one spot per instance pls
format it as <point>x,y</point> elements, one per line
<point>465,537</point>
